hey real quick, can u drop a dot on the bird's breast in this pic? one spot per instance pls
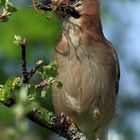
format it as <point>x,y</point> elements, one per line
<point>87,89</point>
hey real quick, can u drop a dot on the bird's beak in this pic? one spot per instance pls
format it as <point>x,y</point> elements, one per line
<point>61,6</point>
<point>51,5</point>
<point>44,5</point>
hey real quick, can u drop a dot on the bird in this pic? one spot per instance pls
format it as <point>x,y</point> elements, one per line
<point>88,67</point>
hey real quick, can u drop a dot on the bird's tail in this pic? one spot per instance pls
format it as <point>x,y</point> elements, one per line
<point>102,134</point>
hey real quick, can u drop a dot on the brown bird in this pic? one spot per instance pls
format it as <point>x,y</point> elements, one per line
<point>88,67</point>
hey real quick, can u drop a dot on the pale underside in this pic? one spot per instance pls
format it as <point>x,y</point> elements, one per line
<point>89,91</point>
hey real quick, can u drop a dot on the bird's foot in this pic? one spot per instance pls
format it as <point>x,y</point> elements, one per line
<point>65,120</point>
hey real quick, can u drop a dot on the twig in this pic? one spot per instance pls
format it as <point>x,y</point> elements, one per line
<point>23,60</point>
<point>59,124</point>
<point>41,84</point>
<point>35,68</point>
<point>27,76</point>
<point>4,15</point>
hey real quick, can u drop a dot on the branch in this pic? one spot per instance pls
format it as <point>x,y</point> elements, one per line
<point>35,68</point>
<point>60,124</point>
<point>41,84</point>
<point>65,128</point>
<point>23,43</point>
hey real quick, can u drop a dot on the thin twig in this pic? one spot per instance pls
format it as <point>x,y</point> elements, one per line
<point>23,61</point>
<point>4,15</point>
<point>42,84</point>
<point>35,68</point>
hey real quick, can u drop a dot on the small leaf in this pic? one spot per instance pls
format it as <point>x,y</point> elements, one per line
<point>6,89</point>
<point>10,7</point>
<point>59,84</point>
<point>17,40</point>
<point>31,89</point>
<point>46,91</point>
<point>50,71</point>
<point>43,93</point>
<point>49,90</point>
<point>17,82</point>
<point>39,74</point>
<point>45,114</point>
<point>5,19</point>
<point>46,117</point>
<point>54,64</point>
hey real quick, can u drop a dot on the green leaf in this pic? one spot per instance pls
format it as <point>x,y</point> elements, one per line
<point>46,91</point>
<point>54,64</point>
<point>49,90</point>
<point>5,19</point>
<point>32,91</point>
<point>17,83</point>
<point>50,71</point>
<point>43,93</point>
<point>5,90</point>
<point>59,84</point>
<point>17,40</point>
<point>39,74</point>
<point>10,7</point>
<point>46,117</point>
<point>45,114</point>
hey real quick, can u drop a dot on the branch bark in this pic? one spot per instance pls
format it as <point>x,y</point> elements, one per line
<point>60,124</point>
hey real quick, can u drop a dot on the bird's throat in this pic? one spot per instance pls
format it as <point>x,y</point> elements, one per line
<point>71,32</point>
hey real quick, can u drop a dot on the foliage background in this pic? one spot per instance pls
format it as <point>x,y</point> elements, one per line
<point>121,22</point>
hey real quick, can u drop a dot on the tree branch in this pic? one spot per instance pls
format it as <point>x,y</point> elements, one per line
<point>60,124</point>
<point>23,60</point>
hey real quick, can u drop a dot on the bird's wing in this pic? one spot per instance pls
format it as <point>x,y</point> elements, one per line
<point>117,72</point>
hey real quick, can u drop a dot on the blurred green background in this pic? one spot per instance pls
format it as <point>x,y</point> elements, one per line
<point>121,22</point>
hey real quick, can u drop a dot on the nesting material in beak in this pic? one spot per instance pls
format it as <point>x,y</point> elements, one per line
<point>59,6</point>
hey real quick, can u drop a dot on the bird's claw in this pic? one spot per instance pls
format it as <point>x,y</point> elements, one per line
<point>65,120</point>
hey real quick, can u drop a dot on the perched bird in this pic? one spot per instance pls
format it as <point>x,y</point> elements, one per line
<point>88,67</point>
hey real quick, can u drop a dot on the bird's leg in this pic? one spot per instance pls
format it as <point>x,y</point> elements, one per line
<point>65,119</point>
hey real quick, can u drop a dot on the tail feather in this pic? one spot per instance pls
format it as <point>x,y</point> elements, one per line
<point>102,134</point>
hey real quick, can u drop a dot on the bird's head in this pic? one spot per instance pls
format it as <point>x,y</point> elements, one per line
<point>74,8</point>
<point>77,11</point>
<point>77,15</point>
